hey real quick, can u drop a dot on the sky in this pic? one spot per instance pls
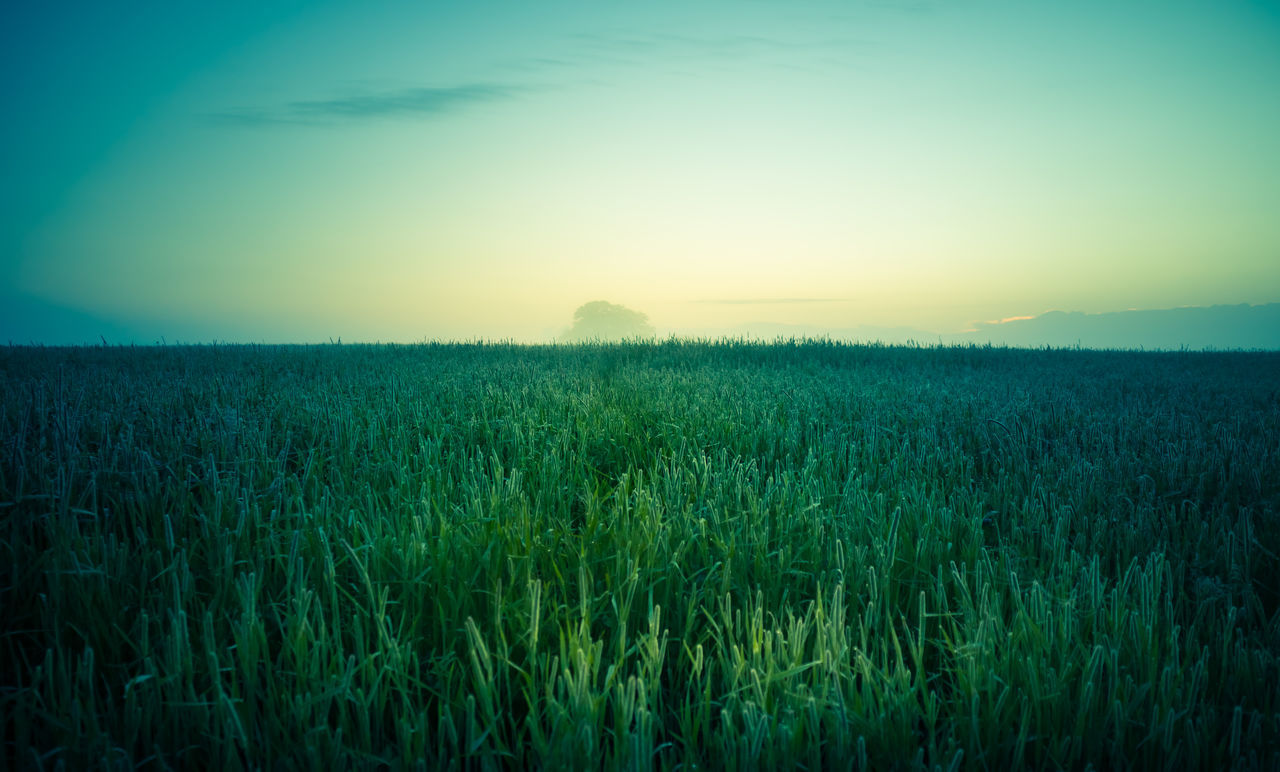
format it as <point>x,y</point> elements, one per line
<point>402,171</point>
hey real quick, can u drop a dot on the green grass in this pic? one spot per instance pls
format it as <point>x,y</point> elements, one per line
<point>672,554</point>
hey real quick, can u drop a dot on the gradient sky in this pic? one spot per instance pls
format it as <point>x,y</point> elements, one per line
<point>399,171</point>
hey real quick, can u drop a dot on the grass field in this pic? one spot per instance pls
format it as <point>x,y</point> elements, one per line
<point>674,554</point>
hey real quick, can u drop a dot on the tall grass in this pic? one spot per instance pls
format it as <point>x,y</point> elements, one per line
<point>671,554</point>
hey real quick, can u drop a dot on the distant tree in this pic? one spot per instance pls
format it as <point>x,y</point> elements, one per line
<point>599,320</point>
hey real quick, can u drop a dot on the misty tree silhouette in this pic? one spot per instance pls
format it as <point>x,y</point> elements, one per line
<point>600,320</point>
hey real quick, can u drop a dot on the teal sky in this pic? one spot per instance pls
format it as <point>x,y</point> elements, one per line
<point>399,171</point>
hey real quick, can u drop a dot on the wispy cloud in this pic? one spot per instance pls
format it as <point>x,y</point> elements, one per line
<point>412,101</point>
<point>592,52</point>
<point>422,102</point>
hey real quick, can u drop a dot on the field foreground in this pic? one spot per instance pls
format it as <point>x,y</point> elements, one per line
<point>639,555</point>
